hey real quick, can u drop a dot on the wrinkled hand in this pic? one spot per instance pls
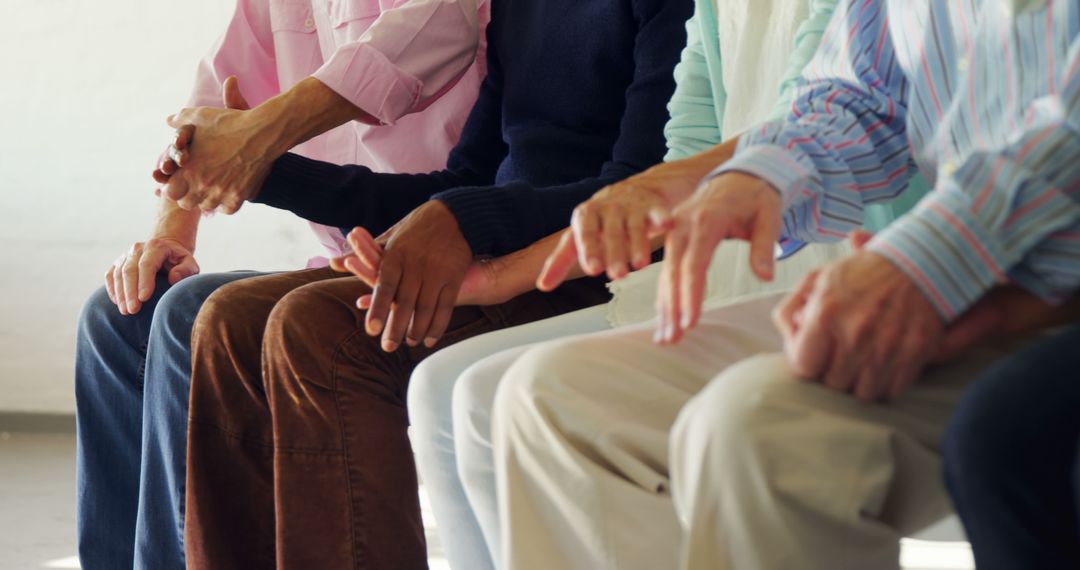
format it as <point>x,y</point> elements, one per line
<point>612,231</point>
<point>730,206</point>
<point>131,279</point>
<point>416,271</point>
<point>173,157</point>
<point>227,164</point>
<point>859,325</point>
<point>176,154</point>
<point>1005,312</point>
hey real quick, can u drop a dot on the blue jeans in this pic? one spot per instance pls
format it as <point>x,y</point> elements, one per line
<point>1012,458</point>
<point>132,375</point>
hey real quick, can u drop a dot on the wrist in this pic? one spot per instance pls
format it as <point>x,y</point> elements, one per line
<point>305,111</point>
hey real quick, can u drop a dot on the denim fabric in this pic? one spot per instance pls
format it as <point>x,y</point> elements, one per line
<point>131,388</point>
<point>1012,458</point>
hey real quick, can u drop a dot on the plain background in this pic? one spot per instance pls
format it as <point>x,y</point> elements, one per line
<point>86,87</point>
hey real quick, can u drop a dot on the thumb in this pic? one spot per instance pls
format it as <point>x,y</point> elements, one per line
<point>232,96</point>
<point>859,238</point>
<point>186,268</point>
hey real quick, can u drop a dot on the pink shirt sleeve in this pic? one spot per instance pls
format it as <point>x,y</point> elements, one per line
<point>412,54</point>
<point>245,50</point>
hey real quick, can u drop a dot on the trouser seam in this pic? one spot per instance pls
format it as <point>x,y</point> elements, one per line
<point>353,497</point>
<point>230,433</point>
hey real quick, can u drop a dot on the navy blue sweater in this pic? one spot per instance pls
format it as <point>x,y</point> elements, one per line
<point>575,99</point>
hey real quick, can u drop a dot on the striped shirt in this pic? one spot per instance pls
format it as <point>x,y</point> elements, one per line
<point>980,96</point>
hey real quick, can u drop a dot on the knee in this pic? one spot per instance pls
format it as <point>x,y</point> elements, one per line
<point>749,411</point>
<point>175,313</point>
<point>980,440</point>
<point>472,402</point>
<point>430,391</point>
<point>541,381</point>
<point>99,316</point>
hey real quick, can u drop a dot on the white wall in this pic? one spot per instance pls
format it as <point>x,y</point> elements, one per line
<point>86,85</point>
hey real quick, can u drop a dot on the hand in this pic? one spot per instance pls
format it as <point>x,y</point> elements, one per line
<point>859,325</point>
<point>1005,312</point>
<point>229,162</point>
<point>176,154</point>
<point>733,205</point>
<point>131,279</point>
<point>417,276</point>
<point>612,230</point>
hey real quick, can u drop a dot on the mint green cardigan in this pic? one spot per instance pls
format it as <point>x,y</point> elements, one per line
<point>697,106</point>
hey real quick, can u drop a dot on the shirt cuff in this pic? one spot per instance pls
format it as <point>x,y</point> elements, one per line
<point>945,251</point>
<point>364,76</point>
<point>475,211</point>
<point>770,163</point>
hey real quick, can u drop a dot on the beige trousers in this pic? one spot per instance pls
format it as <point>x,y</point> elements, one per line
<point>613,452</point>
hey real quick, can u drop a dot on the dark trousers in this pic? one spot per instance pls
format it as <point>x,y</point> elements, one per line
<point>1012,458</point>
<point>298,455</point>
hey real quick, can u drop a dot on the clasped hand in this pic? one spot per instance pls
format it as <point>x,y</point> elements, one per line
<point>416,271</point>
<point>227,165</point>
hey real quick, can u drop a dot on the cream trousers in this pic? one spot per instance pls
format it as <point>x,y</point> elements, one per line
<point>613,452</point>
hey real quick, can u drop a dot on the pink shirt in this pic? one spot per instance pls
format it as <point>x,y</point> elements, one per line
<point>415,65</point>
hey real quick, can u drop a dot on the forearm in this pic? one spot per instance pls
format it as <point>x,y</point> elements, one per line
<point>305,111</point>
<point>516,273</point>
<point>177,223</point>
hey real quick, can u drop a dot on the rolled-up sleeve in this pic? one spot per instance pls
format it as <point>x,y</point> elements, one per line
<point>411,54</point>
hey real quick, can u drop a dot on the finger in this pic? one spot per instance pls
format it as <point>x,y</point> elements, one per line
<point>210,203</point>
<point>231,205</point>
<point>365,247</point>
<point>441,320</point>
<point>183,136</point>
<point>118,286</point>
<point>364,302</point>
<point>559,263</point>
<point>663,296</point>
<point>674,251</point>
<point>660,222</point>
<point>177,156</point>
<point>383,293</point>
<point>763,238</point>
<point>640,249</point>
<point>616,256</point>
<point>693,278</point>
<point>231,94</point>
<point>184,269</point>
<point>843,369</point>
<point>783,315</point>
<point>812,345</point>
<point>168,166</point>
<point>909,365</point>
<point>177,190</point>
<point>586,227</point>
<point>338,263</point>
<point>366,274</point>
<point>130,273</point>
<point>402,309</point>
<point>149,265</point>
<point>184,117</point>
<point>427,301</point>
<point>161,178</point>
<point>110,284</point>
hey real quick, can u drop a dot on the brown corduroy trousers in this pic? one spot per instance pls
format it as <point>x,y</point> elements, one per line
<point>298,456</point>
